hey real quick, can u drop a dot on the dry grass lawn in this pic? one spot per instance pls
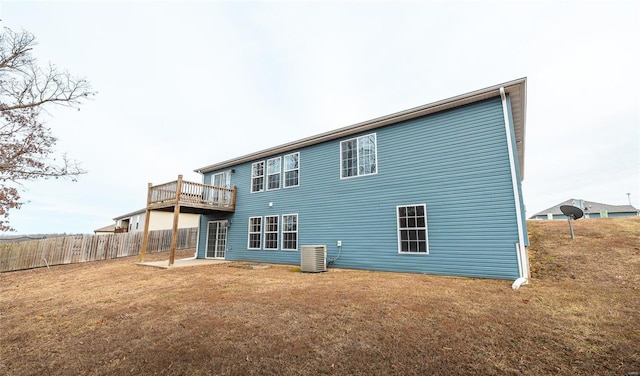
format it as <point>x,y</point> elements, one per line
<point>580,315</point>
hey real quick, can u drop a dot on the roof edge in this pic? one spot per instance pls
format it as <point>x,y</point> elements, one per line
<point>515,88</point>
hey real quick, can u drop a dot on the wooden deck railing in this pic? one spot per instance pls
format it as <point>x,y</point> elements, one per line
<point>192,194</point>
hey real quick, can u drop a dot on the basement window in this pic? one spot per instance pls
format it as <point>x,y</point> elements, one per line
<point>271,232</point>
<point>290,232</point>
<point>412,229</point>
<point>255,233</point>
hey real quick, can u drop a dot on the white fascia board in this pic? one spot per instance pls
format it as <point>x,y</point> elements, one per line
<point>516,90</point>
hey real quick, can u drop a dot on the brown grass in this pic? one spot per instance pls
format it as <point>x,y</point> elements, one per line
<point>580,315</point>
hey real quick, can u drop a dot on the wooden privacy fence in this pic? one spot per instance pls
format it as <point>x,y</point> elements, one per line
<point>82,248</point>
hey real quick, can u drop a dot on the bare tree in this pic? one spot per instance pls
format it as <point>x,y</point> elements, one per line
<point>26,144</point>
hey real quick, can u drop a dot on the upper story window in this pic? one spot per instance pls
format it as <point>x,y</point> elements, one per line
<point>273,173</point>
<point>358,156</point>
<point>291,170</point>
<point>257,177</point>
<point>222,179</point>
<point>276,173</point>
<point>412,229</point>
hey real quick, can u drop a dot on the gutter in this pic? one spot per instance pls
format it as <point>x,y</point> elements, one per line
<point>516,89</point>
<point>521,252</point>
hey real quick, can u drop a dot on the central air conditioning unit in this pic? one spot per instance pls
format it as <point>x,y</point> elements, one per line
<point>313,258</point>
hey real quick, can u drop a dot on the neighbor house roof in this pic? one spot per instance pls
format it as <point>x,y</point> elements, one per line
<point>590,207</point>
<point>128,215</point>
<point>516,90</point>
<point>110,228</point>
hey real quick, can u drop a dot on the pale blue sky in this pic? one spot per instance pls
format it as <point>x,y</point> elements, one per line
<point>186,84</point>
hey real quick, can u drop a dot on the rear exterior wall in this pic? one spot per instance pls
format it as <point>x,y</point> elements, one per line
<point>455,162</point>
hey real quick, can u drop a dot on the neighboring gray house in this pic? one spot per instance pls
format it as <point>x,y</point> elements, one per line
<point>591,210</point>
<point>434,189</point>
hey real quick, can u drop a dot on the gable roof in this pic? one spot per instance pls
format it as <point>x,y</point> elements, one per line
<point>590,207</point>
<point>110,228</point>
<point>516,89</point>
<point>129,215</point>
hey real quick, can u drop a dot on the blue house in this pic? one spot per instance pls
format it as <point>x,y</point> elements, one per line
<point>435,189</point>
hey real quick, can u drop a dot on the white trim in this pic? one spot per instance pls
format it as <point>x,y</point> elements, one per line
<point>284,170</point>
<point>266,168</point>
<point>249,233</point>
<point>264,174</point>
<point>206,241</point>
<point>521,252</point>
<point>225,177</point>
<point>357,139</point>
<point>277,232</point>
<point>227,180</point>
<point>516,88</point>
<point>426,229</point>
<point>282,232</point>
<point>198,239</point>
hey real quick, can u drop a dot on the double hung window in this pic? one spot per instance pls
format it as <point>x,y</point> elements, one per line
<point>289,231</point>
<point>291,170</point>
<point>264,232</point>
<point>255,233</point>
<point>273,173</point>
<point>271,232</point>
<point>257,177</point>
<point>412,229</point>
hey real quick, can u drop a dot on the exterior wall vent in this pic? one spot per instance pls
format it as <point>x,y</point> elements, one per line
<point>313,258</point>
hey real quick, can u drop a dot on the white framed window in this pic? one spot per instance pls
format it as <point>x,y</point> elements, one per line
<point>274,166</point>
<point>222,179</point>
<point>412,229</point>
<point>290,232</point>
<point>257,177</point>
<point>291,170</point>
<point>359,156</point>
<point>271,232</point>
<point>255,233</point>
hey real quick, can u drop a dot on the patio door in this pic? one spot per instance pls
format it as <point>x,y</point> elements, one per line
<point>216,239</point>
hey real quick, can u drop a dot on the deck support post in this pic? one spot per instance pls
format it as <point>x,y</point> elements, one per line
<point>147,219</point>
<point>233,197</point>
<point>176,217</point>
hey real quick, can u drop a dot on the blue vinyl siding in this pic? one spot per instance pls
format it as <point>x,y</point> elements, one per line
<point>456,162</point>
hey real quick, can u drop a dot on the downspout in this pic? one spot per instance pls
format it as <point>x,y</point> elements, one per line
<point>523,263</point>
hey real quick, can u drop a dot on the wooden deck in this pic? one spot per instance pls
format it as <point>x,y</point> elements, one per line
<point>185,197</point>
<point>191,197</point>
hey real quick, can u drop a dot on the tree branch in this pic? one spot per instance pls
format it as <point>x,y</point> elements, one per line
<point>26,145</point>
